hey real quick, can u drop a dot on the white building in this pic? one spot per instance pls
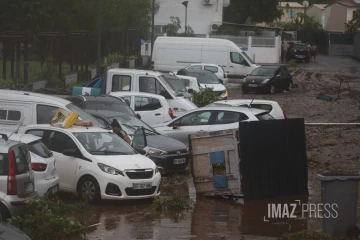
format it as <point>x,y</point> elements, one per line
<point>201,14</point>
<point>317,11</point>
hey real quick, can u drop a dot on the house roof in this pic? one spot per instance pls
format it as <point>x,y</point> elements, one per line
<point>347,3</point>
<point>291,5</point>
<point>320,6</point>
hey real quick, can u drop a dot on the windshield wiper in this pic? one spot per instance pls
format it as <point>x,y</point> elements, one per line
<point>107,152</point>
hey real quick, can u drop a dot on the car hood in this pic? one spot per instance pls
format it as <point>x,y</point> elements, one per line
<point>216,87</point>
<point>123,162</point>
<point>256,79</point>
<point>165,143</point>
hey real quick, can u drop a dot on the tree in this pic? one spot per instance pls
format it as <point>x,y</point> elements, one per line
<point>302,21</point>
<point>354,24</point>
<point>172,29</point>
<point>258,11</point>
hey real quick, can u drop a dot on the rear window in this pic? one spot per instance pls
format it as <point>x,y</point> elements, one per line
<point>266,107</point>
<point>22,159</point>
<point>300,46</point>
<point>264,116</point>
<point>3,164</point>
<point>211,69</point>
<point>39,149</point>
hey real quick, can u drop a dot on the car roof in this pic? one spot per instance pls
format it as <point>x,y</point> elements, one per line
<point>25,138</point>
<point>37,95</point>
<point>199,71</point>
<point>269,66</point>
<point>232,109</point>
<point>134,71</point>
<point>6,144</point>
<point>235,102</point>
<point>141,94</point>
<point>102,98</point>
<point>107,114</point>
<point>72,129</point>
<point>208,64</point>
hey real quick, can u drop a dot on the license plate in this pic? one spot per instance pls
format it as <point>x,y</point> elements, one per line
<point>29,187</point>
<point>142,185</point>
<point>252,85</point>
<point>179,161</point>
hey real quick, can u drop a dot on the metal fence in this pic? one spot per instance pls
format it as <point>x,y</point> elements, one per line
<point>240,41</point>
<point>263,42</point>
<point>341,44</point>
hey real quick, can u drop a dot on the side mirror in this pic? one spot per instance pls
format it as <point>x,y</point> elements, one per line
<point>138,116</point>
<point>175,126</point>
<point>141,151</point>
<point>72,152</point>
<point>190,90</point>
<point>221,81</point>
<point>139,140</point>
<point>246,75</point>
<point>127,102</point>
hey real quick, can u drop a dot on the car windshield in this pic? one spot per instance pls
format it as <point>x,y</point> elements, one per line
<point>116,106</point>
<point>177,84</point>
<point>39,149</point>
<point>264,116</point>
<point>205,78</point>
<point>247,57</point>
<point>130,124</point>
<point>166,83</point>
<point>300,46</point>
<point>103,143</point>
<point>83,115</point>
<point>262,71</point>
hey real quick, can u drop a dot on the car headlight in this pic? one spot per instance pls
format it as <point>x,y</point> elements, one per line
<point>265,81</point>
<point>110,170</point>
<point>155,152</point>
<point>225,94</point>
<point>156,170</point>
<point>294,50</point>
<point>244,80</point>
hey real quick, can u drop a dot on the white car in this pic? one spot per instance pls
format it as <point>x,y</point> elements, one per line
<point>216,69</point>
<point>272,107</point>
<point>42,163</point>
<point>209,119</point>
<point>98,164</point>
<point>152,108</point>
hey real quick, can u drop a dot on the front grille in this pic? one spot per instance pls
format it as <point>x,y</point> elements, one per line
<point>140,174</point>
<point>112,189</point>
<point>178,151</point>
<point>140,192</point>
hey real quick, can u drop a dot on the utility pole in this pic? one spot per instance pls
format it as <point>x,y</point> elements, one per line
<point>185,3</point>
<point>152,27</point>
<point>98,40</point>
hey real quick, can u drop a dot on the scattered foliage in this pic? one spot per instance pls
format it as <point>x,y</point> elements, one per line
<point>292,63</point>
<point>46,219</point>
<point>172,29</point>
<point>112,58</point>
<point>301,21</point>
<point>354,24</point>
<point>205,97</point>
<point>174,203</point>
<point>7,83</point>
<point>301,235</point>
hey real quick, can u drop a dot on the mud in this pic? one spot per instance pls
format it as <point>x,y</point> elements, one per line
<point>329,149</point>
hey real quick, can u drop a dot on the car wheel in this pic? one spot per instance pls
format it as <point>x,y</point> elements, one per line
<point>4,213</point>
<point>289,87</point>
<point>272,89</point>
<point>89,190</point>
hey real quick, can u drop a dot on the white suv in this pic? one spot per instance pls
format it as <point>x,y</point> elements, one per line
<point>152,108</point>
<point>98,164</point>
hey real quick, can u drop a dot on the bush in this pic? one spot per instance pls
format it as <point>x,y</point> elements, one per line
<point>292,63</point>
<point>174,203</point>
<point>205,97</point>
<point>46,219</point>
<point>10,84</point>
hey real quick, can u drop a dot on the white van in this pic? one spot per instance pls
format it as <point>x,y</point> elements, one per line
<point>128,80</point>
<point>18,107</point>
<point>179,52</point>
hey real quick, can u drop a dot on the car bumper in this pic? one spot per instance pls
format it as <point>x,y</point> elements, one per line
<point>125,186</point>
<point>255,87</point>
<point>43,185</point>
<point>165,163</point>
<point>16,205</point>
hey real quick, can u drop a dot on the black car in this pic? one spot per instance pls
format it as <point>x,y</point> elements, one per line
<point>103,102</point>
<point>169,155</point>
<point>269,79</point>
<point>299,51</point>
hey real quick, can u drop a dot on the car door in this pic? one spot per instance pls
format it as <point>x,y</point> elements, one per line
<point>150,109</point>
<point>227,120</point>
<point>66,166</point>
<point>192,123</point>
<point>238,65</point>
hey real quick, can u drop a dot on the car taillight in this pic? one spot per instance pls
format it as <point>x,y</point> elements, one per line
<point>171,113</point>
<point>225,76</point>
<point>38,167</point>
<point>285,116</point>
<point>12,189</point>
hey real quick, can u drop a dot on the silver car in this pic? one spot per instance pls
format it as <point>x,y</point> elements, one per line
<point>209,119</point>
<point>16,178</point>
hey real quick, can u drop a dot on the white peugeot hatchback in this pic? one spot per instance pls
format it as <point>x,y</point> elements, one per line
<point>98,164</point>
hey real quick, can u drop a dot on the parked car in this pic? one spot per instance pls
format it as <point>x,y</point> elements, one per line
<point>272,107</point>
<point>298,51</point>
<point>42,163</point>
<point>179,85</point>
<point>151,108</point>
<point>178,52</point>
<point>169,154</point>
<point>103,102</point>
<point>23,108</point>
<point>98,164</point>
<point>16,178</point>
<point>206,79</point>
<point>9,232</point>
<point>270,79</point>
<point>216,69</point>
<point>209,119</point>
<point>191,83</point>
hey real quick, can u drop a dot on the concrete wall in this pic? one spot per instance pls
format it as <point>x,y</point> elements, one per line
<point>264,54</point>
<point>350,14</point>
<point>318,15</point>
<point>199,15</point>
<point>335,18</point>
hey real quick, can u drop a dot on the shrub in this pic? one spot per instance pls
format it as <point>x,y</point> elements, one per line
<point>205,97</point>
<point>7,83</point>
<point>174,203</point>
<point>292,63</point>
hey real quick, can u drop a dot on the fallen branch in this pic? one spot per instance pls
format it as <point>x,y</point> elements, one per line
<point>81,229</point>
